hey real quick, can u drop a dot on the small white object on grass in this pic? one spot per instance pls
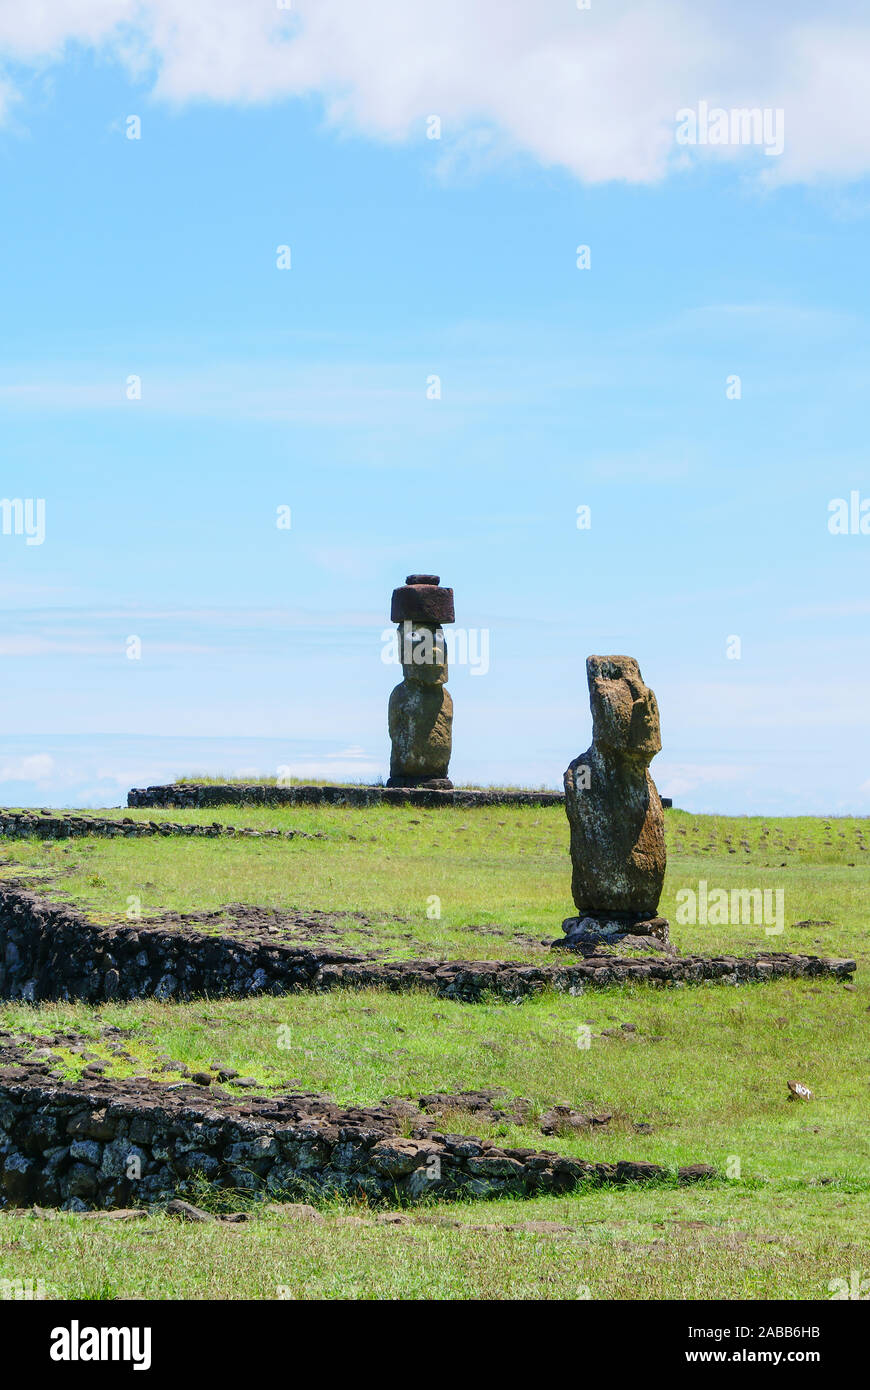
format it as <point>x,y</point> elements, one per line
<point>799,1091</point>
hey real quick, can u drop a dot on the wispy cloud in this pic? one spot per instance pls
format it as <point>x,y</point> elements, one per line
<point>28,646</point>
<point>270,619</point>
<point>677,779</point>
<point>838,608</point>
<point>36,767</point>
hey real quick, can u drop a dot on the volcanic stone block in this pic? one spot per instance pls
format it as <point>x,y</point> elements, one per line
<point>613,808</point>
<point>422,601</point>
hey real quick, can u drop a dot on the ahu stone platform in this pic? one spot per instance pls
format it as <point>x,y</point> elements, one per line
<point>207,795</point>
<point>51,951</point>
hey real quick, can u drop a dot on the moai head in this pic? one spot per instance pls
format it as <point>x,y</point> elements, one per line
<point>423,654</point>
<point>419,607</point>
<point>625,714</point>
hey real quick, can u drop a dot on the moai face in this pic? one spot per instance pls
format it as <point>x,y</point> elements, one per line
<point>625,713</point>
<point>423,653</point>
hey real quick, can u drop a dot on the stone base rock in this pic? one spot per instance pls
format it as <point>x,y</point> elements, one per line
<point>435,784</point>
<point>563,1119</point>
<point>588,932</point>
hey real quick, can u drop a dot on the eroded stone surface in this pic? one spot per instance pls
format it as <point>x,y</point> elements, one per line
<point>421,732</point>
<point>617,827</point>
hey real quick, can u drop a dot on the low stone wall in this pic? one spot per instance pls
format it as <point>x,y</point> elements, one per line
<point>49,951</point>
<point>106,1144</point>
<point>203,794</point>
<point>470,981</point>
<point>257,794</point>
<point>48,825</point>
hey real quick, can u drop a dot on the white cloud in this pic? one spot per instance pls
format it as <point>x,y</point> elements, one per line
<point>37,767</point>
<point>228,620</point>
<point>29,644</point>
<point>790,703</point>
<point>341,394</point>
<point>840,608</point>
<point>353,769</point>
<point>825,95</point>
<point>676,779</point>
<point>591,91</point>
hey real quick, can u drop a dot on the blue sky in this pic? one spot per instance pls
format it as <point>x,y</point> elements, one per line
<point>307,388</point>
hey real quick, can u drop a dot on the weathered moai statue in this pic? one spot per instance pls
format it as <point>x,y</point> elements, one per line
<point>617,826</point>
<point>421,710</point>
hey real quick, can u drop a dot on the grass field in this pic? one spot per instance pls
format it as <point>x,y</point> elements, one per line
<point>632,1244</point>
<point>702,1071</point>
<point>501,875</point>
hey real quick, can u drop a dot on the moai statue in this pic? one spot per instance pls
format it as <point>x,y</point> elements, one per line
<point>421,710</point>
<point>614,811</point>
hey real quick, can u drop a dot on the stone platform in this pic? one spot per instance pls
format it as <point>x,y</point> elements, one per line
<point>207,795</point>
<point>103,1143</point>
<point>52,951</point>
<point>60,825</point>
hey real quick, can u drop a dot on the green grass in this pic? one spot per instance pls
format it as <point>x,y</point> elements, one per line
<point>501,875</point>
<point>706,1067</point>
<point>627,1244</point>
<point>211,779</point>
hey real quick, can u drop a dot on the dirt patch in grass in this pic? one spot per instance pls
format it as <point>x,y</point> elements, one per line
<point>245,919</point>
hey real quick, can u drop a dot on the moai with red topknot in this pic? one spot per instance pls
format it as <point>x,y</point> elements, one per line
<point>421,710</point>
